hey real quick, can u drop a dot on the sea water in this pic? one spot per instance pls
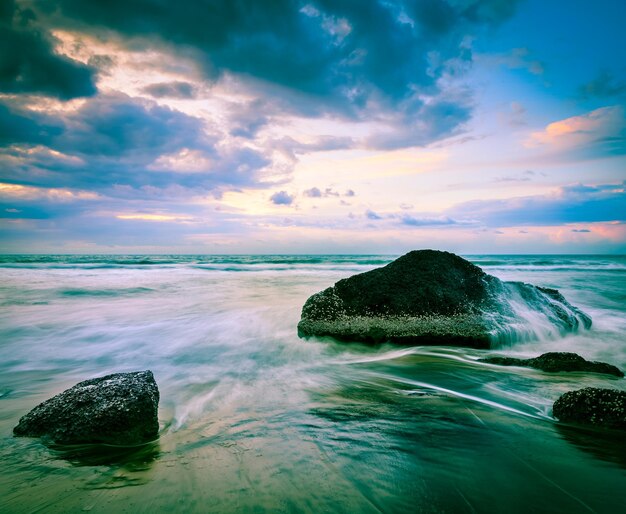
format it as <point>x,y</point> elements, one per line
<point>254,419</point>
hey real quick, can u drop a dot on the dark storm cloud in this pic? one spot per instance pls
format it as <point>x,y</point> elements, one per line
<point>175,89</point>
<point>340,51</point>
<point>370,60</point>
<point>28,63</point>
<point>16,128</point>
<point>118,126</point>
<point>362,60</point>
<point>114,126</point>
<point>355,59</point>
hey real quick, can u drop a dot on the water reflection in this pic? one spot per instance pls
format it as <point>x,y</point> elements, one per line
<point>604,444</point>
<point>133,458</point>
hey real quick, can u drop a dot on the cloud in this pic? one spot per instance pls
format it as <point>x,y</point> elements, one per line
<point>120,127</point>
<point>115,126</point>
<point>572,204</point>
<point>55,217</point>
<point>577,203</point>
<point>282,198</point>
<point>602,130</point>
<point>293,148</point>
<point>175,89</point>
<point>329,192</point>
<point>371,215</point>
<point>152,217</point>
<point>26,202</point>
<point>428,221</point>
<point>525,176</point>
<point>370,59</point>
<point>419,121</point>
<point>516,59</point>
<point>247,119</point>
<point>604,86</point>
<point>515,116</point>
<point>123,146</point>
<point>314,192</point>
<point>139,148</point>
<point>18,127</point>
<point>16,192</point>
<point>28,62</point>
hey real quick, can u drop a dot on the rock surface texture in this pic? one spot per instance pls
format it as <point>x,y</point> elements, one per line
<point>119,409</point>
<point>557,361</point>
<point>593,406</point>
<point>433,297</point>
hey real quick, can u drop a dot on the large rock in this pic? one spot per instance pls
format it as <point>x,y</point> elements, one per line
<point>592,406</point>
<point>119,409</point>
<point>557,361</point>
<point>433,297</point>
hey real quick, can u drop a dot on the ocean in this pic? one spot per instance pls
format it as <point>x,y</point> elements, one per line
<point>255,419</point>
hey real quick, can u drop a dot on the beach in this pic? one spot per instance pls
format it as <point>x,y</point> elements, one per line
<point>255,419</point>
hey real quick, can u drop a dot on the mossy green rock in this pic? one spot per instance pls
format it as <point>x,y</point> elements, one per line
<point>430,297</point>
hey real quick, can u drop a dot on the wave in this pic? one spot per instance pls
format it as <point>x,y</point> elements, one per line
<point>609,267</point>
<point>209,262</point>
<point>528,313</point>
<point>105,292</point>
<point>234,263</point>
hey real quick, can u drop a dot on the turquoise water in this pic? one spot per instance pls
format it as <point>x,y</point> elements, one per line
<point>254,419</point>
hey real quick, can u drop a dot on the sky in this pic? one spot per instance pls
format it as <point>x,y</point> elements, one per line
<point>322,126</point>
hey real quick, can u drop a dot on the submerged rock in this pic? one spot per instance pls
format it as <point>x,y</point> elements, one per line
<point>557,361</point>
<point>119,409</point>
<point>434,297</point>
<point>593,406</point>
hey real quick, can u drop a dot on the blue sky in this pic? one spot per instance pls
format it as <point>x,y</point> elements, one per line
<point>376,126</point>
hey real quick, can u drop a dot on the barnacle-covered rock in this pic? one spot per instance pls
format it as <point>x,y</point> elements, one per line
<point>434,297</point>
<point>592,406</point>
<point>558,361</point>
<point>118,409</point>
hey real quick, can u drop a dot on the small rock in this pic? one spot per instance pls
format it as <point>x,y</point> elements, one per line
<point>119,409</point>
<point>557,361</point>
<point>593,406</point>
